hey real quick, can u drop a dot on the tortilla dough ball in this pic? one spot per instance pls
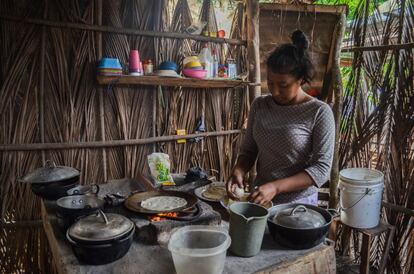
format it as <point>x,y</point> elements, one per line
<point>239,192</point>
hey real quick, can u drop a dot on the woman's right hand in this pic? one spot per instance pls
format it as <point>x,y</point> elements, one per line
<point>236,180</point>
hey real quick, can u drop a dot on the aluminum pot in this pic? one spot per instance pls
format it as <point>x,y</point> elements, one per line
<point>69,209</point>
<point>302,226</point>
<point>101,238</point>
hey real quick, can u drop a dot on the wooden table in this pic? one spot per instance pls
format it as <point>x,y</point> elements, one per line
<point>155,259</point>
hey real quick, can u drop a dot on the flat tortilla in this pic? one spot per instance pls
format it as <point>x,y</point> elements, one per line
<point>215,192</point>
<point>163,203</point>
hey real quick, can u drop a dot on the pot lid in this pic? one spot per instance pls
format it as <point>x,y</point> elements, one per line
<point>80,202</point>
<point>300,217</point>
<point>100,227</point>
<point>50,173</point>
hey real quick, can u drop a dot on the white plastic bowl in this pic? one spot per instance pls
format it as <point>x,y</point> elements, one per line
<point>199,249</point>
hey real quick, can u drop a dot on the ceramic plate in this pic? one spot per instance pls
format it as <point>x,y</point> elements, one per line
<point>199,191</point>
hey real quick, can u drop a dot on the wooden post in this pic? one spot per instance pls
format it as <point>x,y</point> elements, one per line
<point>365,247</point>
<point>154,115</point>
<point>253,50</point>
<point>203,117</point>
<point>100,90</point>
<point>42,86</point>
<point>337,110</point>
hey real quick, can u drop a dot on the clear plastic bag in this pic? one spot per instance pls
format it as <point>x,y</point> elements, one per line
<point>196,28</point>
<point>159,164</point>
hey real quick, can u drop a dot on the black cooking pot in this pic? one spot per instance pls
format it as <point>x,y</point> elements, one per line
<point>71,208</point>
<point>299,226</point>
<point>55,190</point>
<point>101,238</point>
<point>51,181</point>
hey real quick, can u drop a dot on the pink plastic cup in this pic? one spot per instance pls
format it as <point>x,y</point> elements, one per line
<point>134,60</point>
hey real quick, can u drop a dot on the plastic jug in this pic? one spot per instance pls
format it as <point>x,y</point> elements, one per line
<point>247,226</point>
<point>206,60</point>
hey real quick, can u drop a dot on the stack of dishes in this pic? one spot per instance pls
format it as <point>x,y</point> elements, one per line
<point>193,68</point>
<point>167,69</point>
<point>109,67</point>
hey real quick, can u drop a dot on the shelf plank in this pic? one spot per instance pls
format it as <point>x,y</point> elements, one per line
<point>172,82</point>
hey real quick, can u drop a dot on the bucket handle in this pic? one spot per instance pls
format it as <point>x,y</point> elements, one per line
<point>367,191</point>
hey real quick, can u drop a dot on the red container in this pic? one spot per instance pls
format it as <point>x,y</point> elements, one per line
<point>134,60</point>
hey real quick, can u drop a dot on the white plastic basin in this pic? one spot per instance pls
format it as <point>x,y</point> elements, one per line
<point>199,249</point>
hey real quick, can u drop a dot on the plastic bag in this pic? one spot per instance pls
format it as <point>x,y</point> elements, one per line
<point>159,164</point>
<point>196,28</point>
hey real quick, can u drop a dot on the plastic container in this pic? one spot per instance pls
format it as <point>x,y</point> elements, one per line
<point>232,68</point>
<point>195,73</point>
<point>206,59</point>
<point>361,195</point>
<point>199,249</point>
<point>215,64</point>
<point>112,63</point>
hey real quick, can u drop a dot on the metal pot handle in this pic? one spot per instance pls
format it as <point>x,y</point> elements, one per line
<point>334,213</point>
<point>296,209</point>
<point>49,164</point>
<point>100,212</point>
<point>94,189</point>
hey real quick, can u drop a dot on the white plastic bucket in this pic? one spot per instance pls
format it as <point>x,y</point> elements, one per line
<point>360,196</point>
<point>199,249</point>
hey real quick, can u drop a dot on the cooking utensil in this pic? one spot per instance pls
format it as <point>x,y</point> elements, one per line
<point>51,181</point>
<point>101,238</point>
<point>299,217</point>
<point>76,203</point>
<point>100,228</point>
<point>133,203</point>
<point>303,235</point>
<point>85,189</point>
<point>71,208</point>
<point>199,191</point>
<point>226,202</point>
<point>50,173</point>
<point>247,226</point>
<point>55,190</point>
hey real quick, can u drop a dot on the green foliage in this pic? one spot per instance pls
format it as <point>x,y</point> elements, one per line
<point>352,4</point>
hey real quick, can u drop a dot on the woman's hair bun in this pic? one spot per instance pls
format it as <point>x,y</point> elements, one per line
<point>300,40</point>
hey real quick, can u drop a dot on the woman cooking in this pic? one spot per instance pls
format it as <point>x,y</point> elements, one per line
<point>289,133</point>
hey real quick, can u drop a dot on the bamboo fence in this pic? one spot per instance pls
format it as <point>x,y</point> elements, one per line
<point>50,95</point>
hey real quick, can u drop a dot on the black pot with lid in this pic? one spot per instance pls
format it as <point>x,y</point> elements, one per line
<point>101,238</point>
<point>51,181</point>
<point>300,217</point>
<point>299,226</point>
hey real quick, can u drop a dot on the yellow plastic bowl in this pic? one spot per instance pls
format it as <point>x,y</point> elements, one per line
<point>192,64</point>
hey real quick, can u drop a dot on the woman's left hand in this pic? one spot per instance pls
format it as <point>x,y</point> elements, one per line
<point>264,193</point>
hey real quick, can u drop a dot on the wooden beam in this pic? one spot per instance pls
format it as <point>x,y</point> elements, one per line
<point>338,9</point>
<point>173,82</point>
<point>113,143</point>
<point>101,94</point>
<point>21,224</point>
<point>398,208</point>
<point>406,46</point>
<point>253,50</point>
<point>126,31</point>
<point>336,84</point>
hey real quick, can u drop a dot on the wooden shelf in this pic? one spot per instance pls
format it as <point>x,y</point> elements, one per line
<point>166,81</point>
